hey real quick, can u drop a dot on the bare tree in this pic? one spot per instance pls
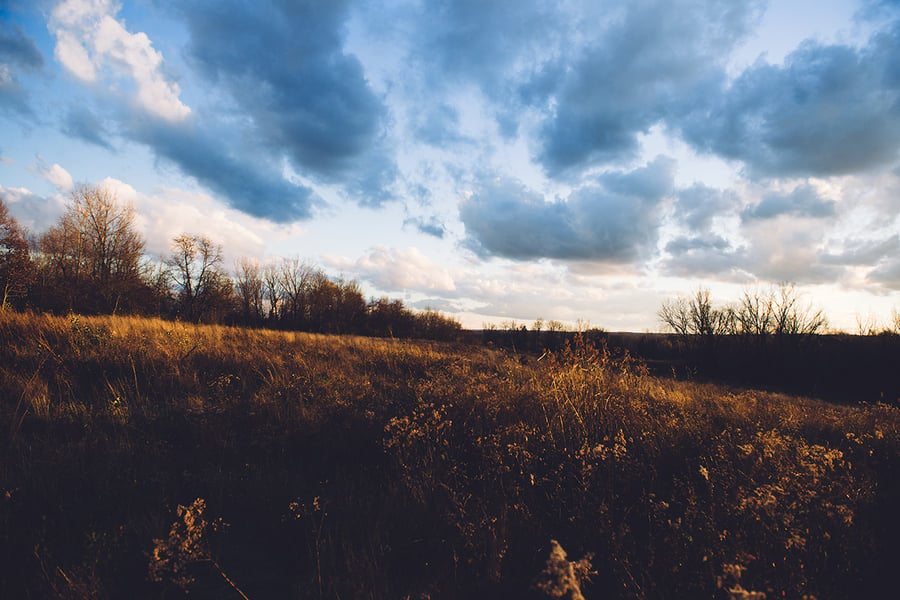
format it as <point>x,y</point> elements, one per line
<point>158,277</point>
<point>296,277</point>
<point>321,301</point>
<point>753,313</point>
<point>761,313</point>
<point>695,315</point>
<point>777,311</point>
<point>94,251</point>
<point>554,326</point>
<point>15,260</point>
<point>675,315</point>
<point>791,316</point>
<point>194,264</point>
<point>272,289</point>
<point>350,310</point>
<point>249,284</point>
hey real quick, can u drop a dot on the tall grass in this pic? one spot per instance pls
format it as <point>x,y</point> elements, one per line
<point>353,467</point>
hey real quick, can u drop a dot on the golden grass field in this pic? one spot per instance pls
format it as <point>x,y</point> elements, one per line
<point>147,458</point>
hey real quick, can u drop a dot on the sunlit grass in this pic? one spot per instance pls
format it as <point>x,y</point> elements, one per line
<point>360,467</point>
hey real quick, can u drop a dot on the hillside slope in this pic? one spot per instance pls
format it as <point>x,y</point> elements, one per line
<point>148,458</point>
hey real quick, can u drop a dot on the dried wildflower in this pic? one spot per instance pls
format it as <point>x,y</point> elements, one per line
<point>730,581</point>
<point>175,558</point>
<point>186,545</point>
<point>562,578</point>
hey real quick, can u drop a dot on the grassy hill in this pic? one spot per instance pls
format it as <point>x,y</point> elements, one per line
<point>151,459</point>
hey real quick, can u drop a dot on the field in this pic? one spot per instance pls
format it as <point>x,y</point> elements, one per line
<point>146,458</point>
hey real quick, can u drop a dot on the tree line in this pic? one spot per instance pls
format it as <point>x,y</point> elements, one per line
<point>759,313</point>
<point>93,261</point>
<point>773,338</point>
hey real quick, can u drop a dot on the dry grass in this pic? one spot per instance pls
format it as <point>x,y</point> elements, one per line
<point>356,467</point>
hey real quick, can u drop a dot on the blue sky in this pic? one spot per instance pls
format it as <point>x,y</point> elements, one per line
<point>496,160</point>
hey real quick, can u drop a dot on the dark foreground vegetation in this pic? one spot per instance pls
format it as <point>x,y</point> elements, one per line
<point>147,458</point>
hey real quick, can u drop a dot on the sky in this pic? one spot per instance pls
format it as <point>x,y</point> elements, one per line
<point>574,160</point>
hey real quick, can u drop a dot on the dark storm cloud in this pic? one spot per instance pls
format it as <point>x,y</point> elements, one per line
<point>285,66</point>
<point>248,183</point>
<point>828,110</point>
<point>83,124</point>
<point>18,52</point>
<point>639,72</point>
<point>614,221</point>
<point>804,201</point>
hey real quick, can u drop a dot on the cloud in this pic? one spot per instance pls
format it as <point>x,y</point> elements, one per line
<point>36,213</point>
<point>483,41</point>
<point>392,269</point>
<point>285,66</point>
<point>614,220</point>
<point>452,54</point>
<point>699,204</point>
<point>864,252</point>
<point>634,73</point>
<point>169,212</point>
<point>829,110</point>
<point>648,183</point>
<point>886,274</point>
<point>788,250</point>
<point>55,174</point>
<point>90,41</point>
<point>247,181</point>
<point>803,201</point>
<point>83,124</point>
<point>683,245</point>
<point>17,48</point>
<point>551,291</point>
<point>706,255</point>
<point>17,52</point>
<point>437,125</point>
<point>432,226</point>
<point>780,237</point>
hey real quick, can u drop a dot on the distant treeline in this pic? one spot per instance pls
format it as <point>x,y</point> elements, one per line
<point>93,261</point>
<point>776,349</point>
<point>551,336</point>
<point>771,338</point>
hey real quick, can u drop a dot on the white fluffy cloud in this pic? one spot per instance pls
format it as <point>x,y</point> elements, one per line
<point>394,269</point>
<point>169,212</point>
<point>58,176</point>
<point>91,40</point>
<point>33,212</point>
